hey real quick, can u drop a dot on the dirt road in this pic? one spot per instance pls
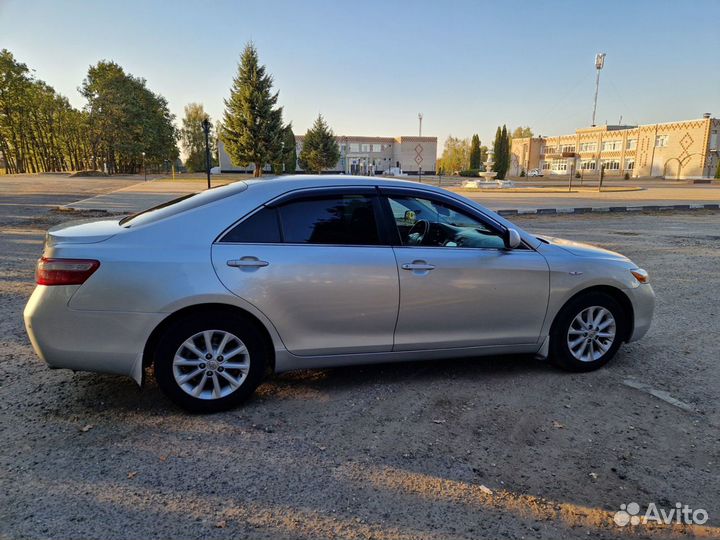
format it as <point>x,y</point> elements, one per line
<point>499,447</point>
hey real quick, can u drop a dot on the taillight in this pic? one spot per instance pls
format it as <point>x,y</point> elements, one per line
<point>64,271</point>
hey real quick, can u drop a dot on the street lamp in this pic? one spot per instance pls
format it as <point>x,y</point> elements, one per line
<point>599,64</point>
<point>282,152</point>
<point>144,168</point>
<point>206,129</point>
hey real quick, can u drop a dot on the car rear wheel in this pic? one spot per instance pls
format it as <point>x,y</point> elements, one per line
<point>209,363</point>
<point>587,332</point>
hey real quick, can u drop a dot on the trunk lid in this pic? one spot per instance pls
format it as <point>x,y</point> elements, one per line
<point>88,231</point>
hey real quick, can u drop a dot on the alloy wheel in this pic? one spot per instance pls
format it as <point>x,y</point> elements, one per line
<point>211,364</point>
<point>591,334</point>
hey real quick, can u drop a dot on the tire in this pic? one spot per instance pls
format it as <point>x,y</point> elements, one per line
<point>570,329</point>
<point>223,382</point>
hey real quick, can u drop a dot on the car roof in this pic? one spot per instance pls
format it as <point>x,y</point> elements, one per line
<point>319,180</point>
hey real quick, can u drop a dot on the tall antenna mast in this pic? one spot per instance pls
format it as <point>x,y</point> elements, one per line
<point>420,116</point>
<point>599,64</point>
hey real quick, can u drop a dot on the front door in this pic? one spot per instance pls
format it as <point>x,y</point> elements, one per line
<point>459,285</point>
<point>317,268</point>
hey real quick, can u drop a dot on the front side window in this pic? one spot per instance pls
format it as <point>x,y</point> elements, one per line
<point>423,222</point>
<point>340,219</point>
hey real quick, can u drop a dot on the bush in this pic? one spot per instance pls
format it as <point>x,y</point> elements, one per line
<point>578,175</point>
<point>627,176</point>
<point>522,173</point>
<point>470,172</point>
<point>717,173</point>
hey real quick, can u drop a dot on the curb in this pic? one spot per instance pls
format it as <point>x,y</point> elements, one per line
<point>606,209</point>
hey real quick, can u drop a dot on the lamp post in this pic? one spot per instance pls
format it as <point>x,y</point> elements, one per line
<point>144,168</point>
<point>282,152</point>
<point>206,129</point>
<point>599,64</point>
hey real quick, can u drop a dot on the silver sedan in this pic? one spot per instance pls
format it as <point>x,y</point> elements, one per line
<point>214,290</point>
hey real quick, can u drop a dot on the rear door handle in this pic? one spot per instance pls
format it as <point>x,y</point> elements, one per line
<point>418,265</point>
<point>247,262</point>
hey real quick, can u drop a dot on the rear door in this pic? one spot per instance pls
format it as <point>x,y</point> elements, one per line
<point>316,264</point>
<point>459,285</point>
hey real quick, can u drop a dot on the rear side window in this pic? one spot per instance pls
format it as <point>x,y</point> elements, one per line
<point>340,219</point>
<point>260,228</point>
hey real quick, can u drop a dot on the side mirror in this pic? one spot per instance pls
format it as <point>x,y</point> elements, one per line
<point>511,238</point>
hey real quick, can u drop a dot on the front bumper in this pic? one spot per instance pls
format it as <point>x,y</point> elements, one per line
<point>102,341</point>
<point>642,298</point>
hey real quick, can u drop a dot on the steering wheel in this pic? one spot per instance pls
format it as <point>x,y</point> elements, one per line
<point>417,232</point>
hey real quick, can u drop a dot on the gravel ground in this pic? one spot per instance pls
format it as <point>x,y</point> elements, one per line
<point>494,447</point>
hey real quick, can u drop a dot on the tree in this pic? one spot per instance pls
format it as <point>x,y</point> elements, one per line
<point>522,132</point>
<point>501,149</point>
<point>455,156</point>
<point>252,122</point>
<point>717,173</point>
<point>41,131</point>
<point>192,137</point>
<point>475,152</point>
<point>127,119</point>
<point>483,154</point>
<point>320,149</point>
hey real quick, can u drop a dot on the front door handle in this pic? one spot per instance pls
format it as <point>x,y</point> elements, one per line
<point>418,265</point>
<point>247,262</point>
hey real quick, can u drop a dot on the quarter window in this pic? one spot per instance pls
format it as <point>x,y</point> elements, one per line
<point>343,220</point>
<point>427,223</point>
<point>260,228</point>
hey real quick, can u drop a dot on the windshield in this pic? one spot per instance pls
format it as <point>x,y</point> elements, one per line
<point>182,204</point>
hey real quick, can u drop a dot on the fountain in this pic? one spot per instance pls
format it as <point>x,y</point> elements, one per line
<point>488,177</point>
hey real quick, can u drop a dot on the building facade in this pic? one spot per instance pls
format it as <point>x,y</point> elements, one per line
<point>367,155</point>
<point>674,150</point>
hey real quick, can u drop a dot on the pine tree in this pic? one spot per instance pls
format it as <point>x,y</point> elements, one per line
<point>475,152</point>
<point>320,149</point>
<point>497,149</point>
<point>253,126</point>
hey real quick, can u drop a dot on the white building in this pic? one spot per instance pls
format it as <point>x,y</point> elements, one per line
<point>367,155</point>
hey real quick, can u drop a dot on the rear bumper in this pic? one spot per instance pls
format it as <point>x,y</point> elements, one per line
<point>102,341</point>
<point>642,298</point>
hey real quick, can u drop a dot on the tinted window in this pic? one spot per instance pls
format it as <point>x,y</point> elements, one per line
<point>423,222</point>
<point>260,228</point>
<point>344,219</point>
<point>182,204</point>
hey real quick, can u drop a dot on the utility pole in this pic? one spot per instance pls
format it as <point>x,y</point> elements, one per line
<point>206,129</point>
<point>599,64</point>
<point>420,117</point>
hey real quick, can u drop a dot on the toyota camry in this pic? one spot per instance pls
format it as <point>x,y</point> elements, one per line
<point>215,289</point>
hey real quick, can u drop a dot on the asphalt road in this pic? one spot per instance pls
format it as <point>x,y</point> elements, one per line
<point>493,447</point>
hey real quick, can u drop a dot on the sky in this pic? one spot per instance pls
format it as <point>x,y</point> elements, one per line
<point>369,67</point>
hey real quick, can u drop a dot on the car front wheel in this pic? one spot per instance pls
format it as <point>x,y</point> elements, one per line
<point>209,363</point>
<point>587,332</point>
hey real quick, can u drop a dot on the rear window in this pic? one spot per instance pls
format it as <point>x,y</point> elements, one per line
<point>182,204</point>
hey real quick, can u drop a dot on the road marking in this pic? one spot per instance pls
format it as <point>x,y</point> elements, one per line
<point>660,394</point>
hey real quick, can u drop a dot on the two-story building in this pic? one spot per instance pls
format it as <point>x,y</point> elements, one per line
<point>671,150</point>
<point>367,155</point>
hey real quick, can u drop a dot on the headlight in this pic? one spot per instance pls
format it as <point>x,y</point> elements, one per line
<point>641,275</point>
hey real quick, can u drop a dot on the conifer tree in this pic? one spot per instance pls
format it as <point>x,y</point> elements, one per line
<point>320,149</point>
<point>252,126</point>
